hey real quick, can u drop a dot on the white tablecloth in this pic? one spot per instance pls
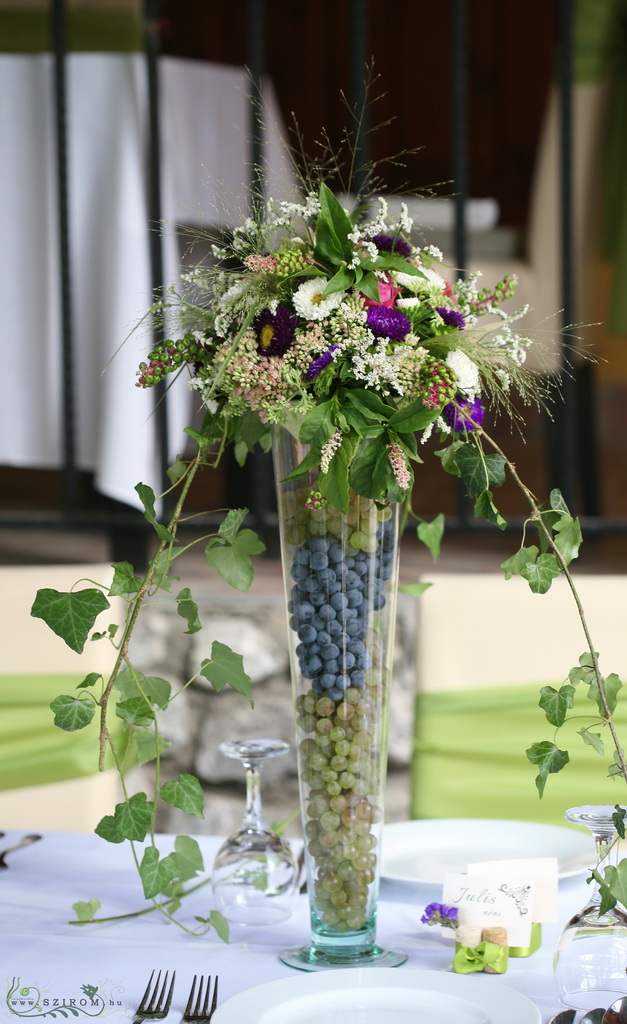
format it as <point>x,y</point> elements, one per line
<point>39,947</point>
<point>205,158</point>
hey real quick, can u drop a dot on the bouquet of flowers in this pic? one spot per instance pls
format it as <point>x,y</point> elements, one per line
<point>337,322</point>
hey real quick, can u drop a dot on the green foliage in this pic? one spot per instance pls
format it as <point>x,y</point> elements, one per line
<point>549,759</point>
<point>70,616</point>
<point>231,551</point>
<point>72,713</point>
<point>85,911</point>
<point>431,534</point>
<point>186,794</point>
<point>225,668</point>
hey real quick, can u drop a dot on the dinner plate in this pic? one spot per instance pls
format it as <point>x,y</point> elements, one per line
<point>379,996</point>
<point>420,852</point>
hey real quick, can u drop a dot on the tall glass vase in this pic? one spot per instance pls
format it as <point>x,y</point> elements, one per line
<point>341,575</point>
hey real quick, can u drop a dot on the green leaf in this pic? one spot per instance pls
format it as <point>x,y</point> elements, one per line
<point>616,879</point>
<point>340,282</point>
<point>541,574</point>
<point>363,476</point>
<point>134,817</point>
<point>448,458</point>
<point>431,534</point>
<point>161,580</point>
<point>618,818</point>
<point>369,286</point>
<point>147,746</point>
<point>568,538</point>
<point>188,857</point>
<point>177,470</point>
<point>372,408</point>
<point>186,794</point>
<point>415,589</point>
<point>107,830</point>
<point>518,564</point>
<point>219,925</point>
<point>584,671</point>
<point>231,524</point>
<point>135,711</point>
<point>86,911</point>
<point>486,509</point>
<point>611,685</point>
<point>72,713</point>
<point>188,610</point>
<point>413,417</point>
<point>310,461</point>
<point>593,739</point>
<point>479,472</point>
<point>327,250</point>
<point>124,579</point>
<point>225,668</point>
<point>549,759</point>
<point>156,689</point>
<point>202,440</point>
<point>338,221</point>
<point>70,616</point>
<point>555,703</point>
<point>147,498</point>
<point>156,874</point>
<point>334,484</point>
<point>233,561</point>
<point>90,680</point>
<point>318,425</point>
<point>557,502</point>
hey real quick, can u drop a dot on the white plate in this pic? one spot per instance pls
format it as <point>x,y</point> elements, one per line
<point>419,852</point>
<point>379,996</point>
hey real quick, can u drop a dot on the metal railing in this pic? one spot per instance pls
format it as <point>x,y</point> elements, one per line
<point>125,526</point>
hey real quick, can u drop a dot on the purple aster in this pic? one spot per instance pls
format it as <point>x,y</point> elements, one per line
<point>451,317</point>
<point>385,322</point>
<point>459,420</point>
<point>275,331</point>
<point>317,365</point>
<point>388,243</point>
<point>439,913</point>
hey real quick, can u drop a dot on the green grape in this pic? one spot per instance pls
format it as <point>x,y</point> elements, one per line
<point>330,821</point>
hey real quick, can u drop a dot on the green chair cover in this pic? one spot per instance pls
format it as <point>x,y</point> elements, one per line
<point>88,30</point>
<point>469,758</point>
<point>33,750</point>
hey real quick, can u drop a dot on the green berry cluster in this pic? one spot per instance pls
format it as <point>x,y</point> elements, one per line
<point>290,261</point>
<point>166,358</point>
<point>439,383</point>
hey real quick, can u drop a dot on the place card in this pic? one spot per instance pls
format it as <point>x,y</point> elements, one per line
<point>489,900</point>
<point>542,871</point>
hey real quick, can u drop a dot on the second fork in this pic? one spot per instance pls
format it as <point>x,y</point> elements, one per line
<point>199,1008</point>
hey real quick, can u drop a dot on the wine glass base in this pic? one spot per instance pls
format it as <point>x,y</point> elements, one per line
<point>311,958</point>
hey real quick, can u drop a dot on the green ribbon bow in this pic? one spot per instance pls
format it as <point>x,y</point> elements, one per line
<point>487,954</point>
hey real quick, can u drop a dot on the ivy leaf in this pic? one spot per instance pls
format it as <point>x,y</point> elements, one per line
<point>147,746</point>
<point>415,589</point>
<point>486,509</point>
<point>107,830</point>
<point>615,878</point>
<point>134,711</point>
<point>86,910</point>
<point>124,579</point>
<point>188,857</point>
<point>72,713</point>
<point>225,668</point>
<point>90,680</point>
<point>557,503</point>
<point>219,925</point>
<point>161,579</point>
<point>611,685</point>
<point>231,524</point>
<point>177,470</point>
<point>479,471</point>
<point>618,818</point>
<point>147,498</point>
<point>518,563</point>
<point>133,817</point>
<point>608,900</point>
<point>593,739</point>
<point>584,671</point>
<point>188,610</point>
<point>156,689</point>
<point>156,874</point>
<point>186,794</point>
<point>70,616</point>
<point>549,759</point>
<point>431,534</point>
<point>202,440</point>
<point>233,561</point>
<point>568,538</point>
<point>555,703</point>
<point>448,457</point>
<point>541,573</point>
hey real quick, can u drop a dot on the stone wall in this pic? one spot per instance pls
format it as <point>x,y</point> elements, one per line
<point>199,719</point>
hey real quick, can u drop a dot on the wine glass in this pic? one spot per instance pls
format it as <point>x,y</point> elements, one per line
<point>590,958</point>
<point>255,874</point>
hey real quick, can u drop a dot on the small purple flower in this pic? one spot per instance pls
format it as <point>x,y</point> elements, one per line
<point>387,322</point>
<point>451,317</point>
<point>439,913</point>
<point>275,331</point>
<point>460,419</point>
<point>317,365</point>
<point>388,243</point>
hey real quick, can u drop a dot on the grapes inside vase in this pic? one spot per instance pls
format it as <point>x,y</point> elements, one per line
<point>341,572</point>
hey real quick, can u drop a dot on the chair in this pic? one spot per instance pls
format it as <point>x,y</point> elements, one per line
<point>484,647</point>
<point>49,779</point>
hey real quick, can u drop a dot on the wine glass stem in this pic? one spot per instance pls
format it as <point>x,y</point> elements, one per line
<point>603,843</point>
<point>253,817</point>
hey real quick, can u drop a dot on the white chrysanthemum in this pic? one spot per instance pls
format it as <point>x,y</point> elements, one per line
<point>466,372</point>
<point>309,301</point>
<point>407,303</point>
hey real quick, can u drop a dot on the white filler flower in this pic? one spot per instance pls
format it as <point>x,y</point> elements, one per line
<point>466,372</point>
<point>309,301</point>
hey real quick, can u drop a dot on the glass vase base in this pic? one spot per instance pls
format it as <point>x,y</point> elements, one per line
<point>312,958</point>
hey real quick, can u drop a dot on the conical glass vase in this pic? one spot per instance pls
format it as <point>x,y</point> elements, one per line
<point>341,576</point>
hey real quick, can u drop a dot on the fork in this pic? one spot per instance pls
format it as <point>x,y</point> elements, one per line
<point>200,1010</point>
<point>155,1001</point>
<point>25,841</point>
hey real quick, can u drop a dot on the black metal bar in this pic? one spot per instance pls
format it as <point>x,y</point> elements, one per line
<point>68,425</point>
<point>358,93</point>
<point>459,128</point>
<point>255,59</point>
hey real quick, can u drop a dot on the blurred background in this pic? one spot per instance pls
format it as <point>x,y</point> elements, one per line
<point>126,123</point>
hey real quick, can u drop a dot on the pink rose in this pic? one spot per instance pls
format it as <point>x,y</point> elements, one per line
<point>387,294</point>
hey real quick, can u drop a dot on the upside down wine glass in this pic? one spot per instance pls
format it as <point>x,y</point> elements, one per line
<point>590,958</point>
<point>255,874</point>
